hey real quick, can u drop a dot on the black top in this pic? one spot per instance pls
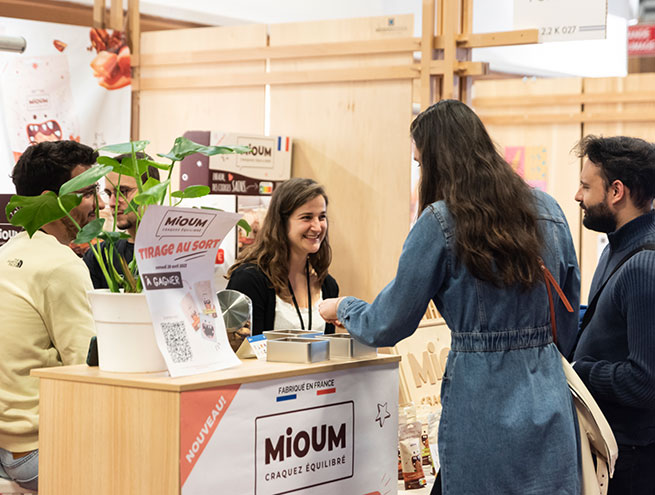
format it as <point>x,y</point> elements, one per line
<point>251,281</point>
<point>121,246</point>
<point>615,357</point>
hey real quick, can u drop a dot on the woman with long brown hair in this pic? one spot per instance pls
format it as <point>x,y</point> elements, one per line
<point>508,423</point>
<point>285,271</point>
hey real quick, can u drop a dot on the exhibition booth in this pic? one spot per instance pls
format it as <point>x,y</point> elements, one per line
<point>338,96</point>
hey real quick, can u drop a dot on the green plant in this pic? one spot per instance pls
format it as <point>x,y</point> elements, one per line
<point>33,212</point>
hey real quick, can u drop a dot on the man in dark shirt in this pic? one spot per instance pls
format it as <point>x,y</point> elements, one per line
<point>119,190</point>
<point>615,356</point>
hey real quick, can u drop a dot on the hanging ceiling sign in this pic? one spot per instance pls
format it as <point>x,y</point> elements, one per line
<point>641,40</point>
<point>562,20</point>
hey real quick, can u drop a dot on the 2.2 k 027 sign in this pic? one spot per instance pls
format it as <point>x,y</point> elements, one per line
<point>562,20</point>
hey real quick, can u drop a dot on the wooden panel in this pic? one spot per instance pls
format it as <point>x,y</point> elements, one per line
<point>353,138</point>
<point>427,51</point>
<point>633,83</point>
<point>221,79</point>
<point>166,114</point>
<point>449,22</point>
<point>99,14</point>
<point>134,40</point>
<point>557,139</point>
<point>201,54</point>
<point>143,426</point>
<point>559,99</point>
<point>503,38</point>
<point>641,64</point>
<point>116,15</point>
<point>77,14</point>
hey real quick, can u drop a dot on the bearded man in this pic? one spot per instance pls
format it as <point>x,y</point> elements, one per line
<point>615,355</point>
<point>120,190</point>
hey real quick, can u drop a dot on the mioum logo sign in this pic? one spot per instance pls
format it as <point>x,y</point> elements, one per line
<point>304,448</point>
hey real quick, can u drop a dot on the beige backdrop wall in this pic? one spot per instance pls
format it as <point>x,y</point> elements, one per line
<point>165,114</point>
<point>353,137</point>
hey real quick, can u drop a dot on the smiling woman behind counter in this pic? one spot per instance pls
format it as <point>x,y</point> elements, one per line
<point>285,271</point>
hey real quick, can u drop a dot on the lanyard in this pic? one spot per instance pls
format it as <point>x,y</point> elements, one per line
<point>309,301</point>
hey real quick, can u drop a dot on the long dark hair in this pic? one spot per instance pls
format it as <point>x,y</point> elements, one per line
<point>497,236</point>
<point>270,251</point>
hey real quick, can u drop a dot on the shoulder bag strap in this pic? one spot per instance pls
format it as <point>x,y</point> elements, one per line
<point>550,281</point>
<point>592,305</point>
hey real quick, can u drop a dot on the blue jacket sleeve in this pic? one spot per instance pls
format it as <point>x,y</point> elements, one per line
<point>569,281</point>
<point>397,310</point>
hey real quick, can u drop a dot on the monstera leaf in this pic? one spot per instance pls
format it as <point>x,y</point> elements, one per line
<point>184,147</point>
<point>33,212</point>
<point>192,192</point>
<point>85,179</point>
<point>90,231</point>
<point>126,166</point>
<point>128,147</point>
<point>153,195</point>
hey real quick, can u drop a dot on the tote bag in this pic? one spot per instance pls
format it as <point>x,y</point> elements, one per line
<point>596,437</point>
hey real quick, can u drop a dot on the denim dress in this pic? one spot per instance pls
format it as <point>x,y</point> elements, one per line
<point>508,424</point>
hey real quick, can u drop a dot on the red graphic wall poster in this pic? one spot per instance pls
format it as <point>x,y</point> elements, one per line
<point>71,82</point>
<point>303,434</point>
<point>531,163</point>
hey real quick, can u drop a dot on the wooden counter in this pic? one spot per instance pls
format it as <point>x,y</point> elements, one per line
<point>115,433</point>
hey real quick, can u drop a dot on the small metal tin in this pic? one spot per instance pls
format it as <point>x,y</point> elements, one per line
<point>297,350</point>
<point>343,346</point>
<point>278,334</point>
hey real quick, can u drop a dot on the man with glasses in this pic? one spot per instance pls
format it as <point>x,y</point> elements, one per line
<point>46,318</point>
<point>119,191</point>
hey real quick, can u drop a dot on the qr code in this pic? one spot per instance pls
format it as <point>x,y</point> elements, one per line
<point>176,341</point>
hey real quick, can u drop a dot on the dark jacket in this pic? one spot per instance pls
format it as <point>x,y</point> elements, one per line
<point>122,247</point>
<point>616,354</point>
<point>251,281</point>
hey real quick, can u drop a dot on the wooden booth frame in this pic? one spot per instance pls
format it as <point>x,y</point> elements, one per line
<point>319,82</point>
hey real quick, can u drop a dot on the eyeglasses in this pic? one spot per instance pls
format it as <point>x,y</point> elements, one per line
<point>123,191</point>
<point>89,191</point>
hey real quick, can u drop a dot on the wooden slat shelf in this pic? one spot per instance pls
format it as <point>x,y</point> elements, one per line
<point>564,99</point>
<point>336,49</point>
<point>567,118</point>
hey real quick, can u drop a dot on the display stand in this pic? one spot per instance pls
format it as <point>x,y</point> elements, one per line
<point>331,426</point>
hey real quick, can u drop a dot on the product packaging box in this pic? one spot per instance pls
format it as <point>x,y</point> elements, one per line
<point>248,178</point>
<point>251,174</point>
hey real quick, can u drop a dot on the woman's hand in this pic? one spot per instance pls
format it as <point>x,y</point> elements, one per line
<point>328,310</point>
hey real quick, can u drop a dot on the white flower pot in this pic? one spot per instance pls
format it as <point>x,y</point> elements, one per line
<point>126,338</point>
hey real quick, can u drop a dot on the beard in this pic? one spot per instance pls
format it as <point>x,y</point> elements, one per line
<point>126,221</point>
<point>599,218</point>
<point>71,230</point>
